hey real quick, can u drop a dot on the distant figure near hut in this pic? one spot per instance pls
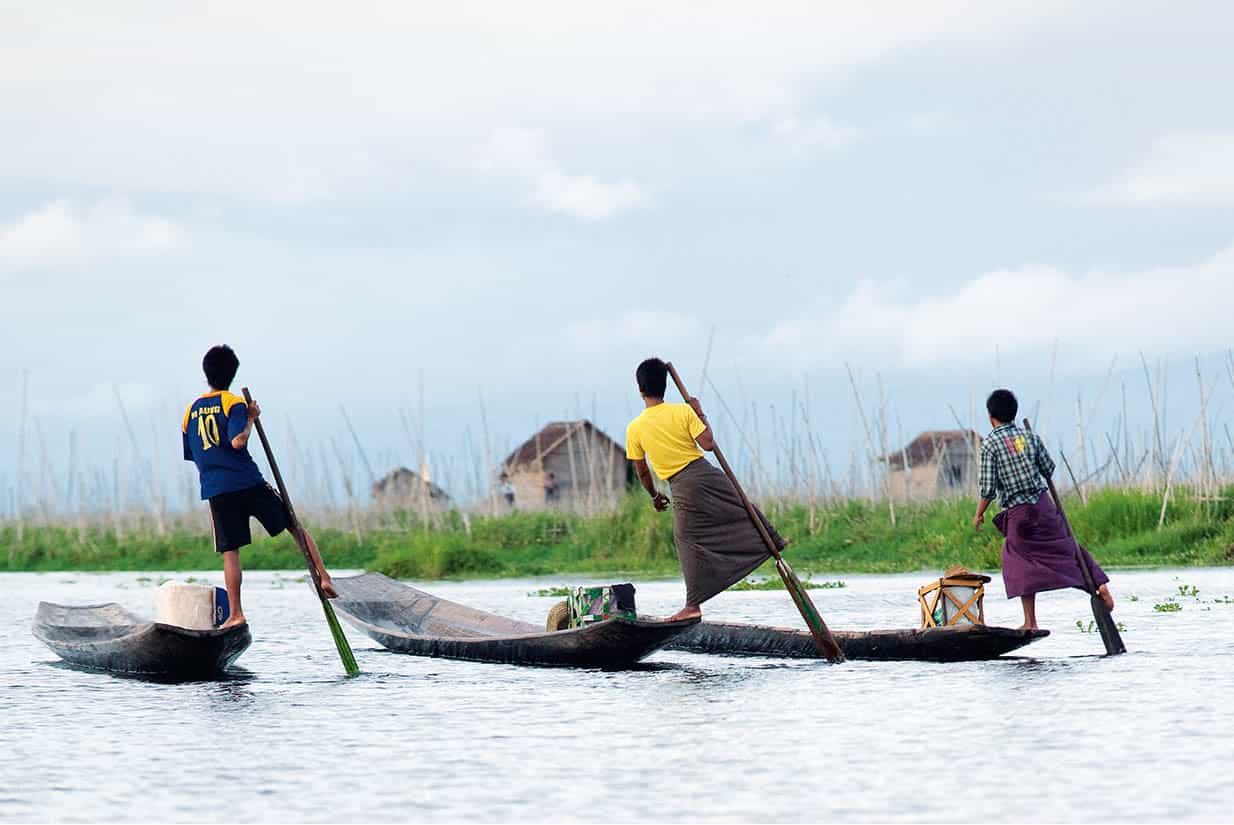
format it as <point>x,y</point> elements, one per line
<point>550,488</point>
<point>402,487</point>
<point>935,463</point>
<point>566,464</point>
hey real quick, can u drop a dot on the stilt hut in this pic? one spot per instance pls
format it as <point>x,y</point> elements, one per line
<point>402,487</point>
<point>935,463</point>
<point>568,464</point>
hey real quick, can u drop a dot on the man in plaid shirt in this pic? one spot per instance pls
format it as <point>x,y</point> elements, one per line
<point>1040,552</point>
<point>1014,467</point>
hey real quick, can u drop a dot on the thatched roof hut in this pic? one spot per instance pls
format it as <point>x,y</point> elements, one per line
<point>567,463</point>
<point>405,486</point>
<point>935,462</point>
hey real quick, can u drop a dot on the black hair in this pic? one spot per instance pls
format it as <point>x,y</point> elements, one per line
<point>652,376</point>
<point>220,365</point>
<point>1002,406</point>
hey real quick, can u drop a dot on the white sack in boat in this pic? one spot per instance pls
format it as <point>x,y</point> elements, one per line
<point>186,605</point>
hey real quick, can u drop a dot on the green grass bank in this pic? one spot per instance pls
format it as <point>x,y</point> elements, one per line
<point>1120,526</point>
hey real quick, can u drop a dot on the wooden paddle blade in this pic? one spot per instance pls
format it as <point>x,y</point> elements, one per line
<point>823,640</point>
<point>1107,627</point>
<point>340,640</point>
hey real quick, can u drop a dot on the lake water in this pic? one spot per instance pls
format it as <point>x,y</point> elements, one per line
<point>1056,733</point>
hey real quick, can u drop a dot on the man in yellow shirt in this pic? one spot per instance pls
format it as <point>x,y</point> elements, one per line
<point>717,544</point>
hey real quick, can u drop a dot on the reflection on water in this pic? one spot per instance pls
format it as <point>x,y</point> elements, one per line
<point>1056,732</point>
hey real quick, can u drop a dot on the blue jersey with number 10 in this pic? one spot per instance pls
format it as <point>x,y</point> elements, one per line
<point>210,423</point>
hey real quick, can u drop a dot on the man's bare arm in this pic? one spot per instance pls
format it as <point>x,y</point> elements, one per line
<point>979,516</point>
<point>252,411</point>
<point>704,440</point>
<point>644,475</point>
<point>658,499</point>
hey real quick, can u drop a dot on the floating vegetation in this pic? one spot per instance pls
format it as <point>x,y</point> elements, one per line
<point>551,591</point>
<point>1091,627</point>
<point>1133,598</point>
<point>1223,600</point>
<point>778,584</point>
<point>1189,590</point>
<point>1170,605</point>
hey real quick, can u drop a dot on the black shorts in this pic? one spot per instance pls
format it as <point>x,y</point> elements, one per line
<point>231,513</point>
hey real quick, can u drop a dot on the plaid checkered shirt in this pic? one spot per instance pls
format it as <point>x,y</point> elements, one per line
<point>1014,466</point>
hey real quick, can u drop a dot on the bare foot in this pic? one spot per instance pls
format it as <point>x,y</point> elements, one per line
<point>1104,592</point>
<point>327,586</point>
<point>1027,626</point>
<point>233,620</point>
<point>690,611</point>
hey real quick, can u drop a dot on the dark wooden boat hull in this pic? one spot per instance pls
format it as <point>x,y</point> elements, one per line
<point>108,637</point>
<point>936,644</point>
<point>406,620</point>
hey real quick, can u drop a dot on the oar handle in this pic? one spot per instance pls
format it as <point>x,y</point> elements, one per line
<point>297,531</point>
<point>728,471</point>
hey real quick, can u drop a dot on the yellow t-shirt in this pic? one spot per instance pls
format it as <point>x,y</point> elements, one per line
<point>664,435</point>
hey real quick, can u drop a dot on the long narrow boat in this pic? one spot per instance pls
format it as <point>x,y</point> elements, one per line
<point>964,643</point>
<point>406,620</point>
<point>108,637</point>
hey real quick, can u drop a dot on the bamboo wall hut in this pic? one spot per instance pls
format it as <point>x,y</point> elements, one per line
<point>402,487</point>
<point>935,463</point>
<point>568,464</point>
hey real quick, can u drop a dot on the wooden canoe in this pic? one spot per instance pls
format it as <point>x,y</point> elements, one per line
<point>964,643</point>
<point>406,620</point>
<point>108,637</point>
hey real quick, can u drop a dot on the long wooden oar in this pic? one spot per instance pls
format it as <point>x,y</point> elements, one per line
<point>1105,622</point>
<point>823,639</point>
<point>297,532</point>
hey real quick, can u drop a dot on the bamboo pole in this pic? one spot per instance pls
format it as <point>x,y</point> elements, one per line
<point>141,463</point>
<point>351,498</point>
<point>46,482</point>
<point>1046,432</point>
<point>1169,479</point>
<point>1207,480</point>
<point>368,467</point>
<point>882,417</point>
<point>21,462</point>
<point>423,469</point>
<point>117,506</point>
<point>865,425</point>
<point>811,463</point>
<point>490,494</point>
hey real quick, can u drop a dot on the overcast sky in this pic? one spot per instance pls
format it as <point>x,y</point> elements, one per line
<point>525,199</point>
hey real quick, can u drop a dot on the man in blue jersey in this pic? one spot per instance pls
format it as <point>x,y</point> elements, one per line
<point>216,429</point>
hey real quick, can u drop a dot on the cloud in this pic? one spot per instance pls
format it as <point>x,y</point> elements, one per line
<point>64,233</point>
<point>310,104</point>
<point>523,154</point>
<point>637,329</point>
<point>814,133</point>
<point>1096,315</point>
<point>585,197</point>
<point>1181,169</point>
